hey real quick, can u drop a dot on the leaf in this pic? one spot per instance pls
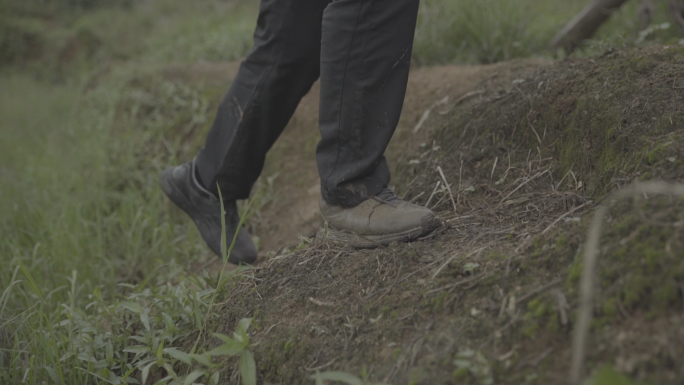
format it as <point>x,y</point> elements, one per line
<point>160,350</point>
<point>202,359</point>
<point>226,350</point>
<point>180,356</point>
<point>168,321</point>
<point>5,294</point>
<point>215,378</point>
<point>193,376</point>
<point>145,319</point>
<point>317,377</point>
<point>164,380</point>
<point>132,306</point>
<point>248,368</point>
<point>223,338</point>
<point>244,324</point>
<point>109,354</point>
<point>338,376</point>
<point>52,374</point>
<point>32,284</point>
<point>146,372</point>
<point>240,333</point>
<point>142,340</point>
<point>196,312</point>
<point>137,349</point>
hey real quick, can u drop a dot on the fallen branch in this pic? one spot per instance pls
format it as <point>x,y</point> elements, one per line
<point>585,24</point>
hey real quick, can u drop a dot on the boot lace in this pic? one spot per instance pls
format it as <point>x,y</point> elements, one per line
<point>387,196</point>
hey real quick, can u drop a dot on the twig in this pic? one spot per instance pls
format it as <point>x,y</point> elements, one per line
<point>537,291</point>
<point>416,197</point>
<point>452,258</point>
<point>433,192</point>
<point>426,114</point>
<point>493,169</point>
<point>535,362</point>
<point>565,215</point>
<point>535,133</point>
<point>447,186</point>
<point>322,366</point>
<point>459,100</point>
<point>522,184</point>
<point>319,303</point>
<point>459,283</point>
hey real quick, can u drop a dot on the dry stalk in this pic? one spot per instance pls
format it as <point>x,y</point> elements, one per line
<point>566,214</point>
<point>491,177</point>
<point>447,186</point>
<point>416,197</point>
<point>523,184</point>
<point>459,100</point>
<point>537,291</point>
<point>320,303</point>
<point>427,112</point>
<point>433,193</point>
<point>591,251</point>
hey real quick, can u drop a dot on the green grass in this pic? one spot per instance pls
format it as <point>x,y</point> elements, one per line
<point>488,31</point>
<point>95,259</point>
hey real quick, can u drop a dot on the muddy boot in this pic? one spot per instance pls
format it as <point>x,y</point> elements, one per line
<point>380,220</point>
<point>181,186</point>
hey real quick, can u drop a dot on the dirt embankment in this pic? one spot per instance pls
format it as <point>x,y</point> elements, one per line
<point>529,152</point>
<point>292,207</point>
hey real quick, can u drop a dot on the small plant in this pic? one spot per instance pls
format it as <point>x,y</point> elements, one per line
<point>475,364</point>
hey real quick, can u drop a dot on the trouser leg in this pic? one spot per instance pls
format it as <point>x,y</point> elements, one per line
<point>365,59</point>
<point>278,72</point>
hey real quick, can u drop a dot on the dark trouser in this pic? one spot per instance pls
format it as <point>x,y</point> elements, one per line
<point>361,49</point>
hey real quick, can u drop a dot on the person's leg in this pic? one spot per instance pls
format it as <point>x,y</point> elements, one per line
<point>365,59</point>
<point>278,72</point>
<point>270,83</point>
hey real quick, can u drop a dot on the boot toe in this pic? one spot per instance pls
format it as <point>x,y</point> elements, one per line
<point>244,251</point>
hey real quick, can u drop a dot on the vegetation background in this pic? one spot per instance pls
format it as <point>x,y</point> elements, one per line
<point>88,244</point>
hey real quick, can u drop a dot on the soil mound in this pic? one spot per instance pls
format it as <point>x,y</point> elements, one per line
<point>492,297</point>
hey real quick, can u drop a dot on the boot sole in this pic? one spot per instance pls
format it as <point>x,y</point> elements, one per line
<point>178,198</point>
<point>372,241</point>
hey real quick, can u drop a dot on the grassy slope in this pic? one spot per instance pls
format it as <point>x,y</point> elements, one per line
<point>80,208</point>
<point>495,281</point>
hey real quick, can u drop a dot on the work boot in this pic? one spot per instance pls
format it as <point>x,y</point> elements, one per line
<point>180,184</point>
<point>377,221</point>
